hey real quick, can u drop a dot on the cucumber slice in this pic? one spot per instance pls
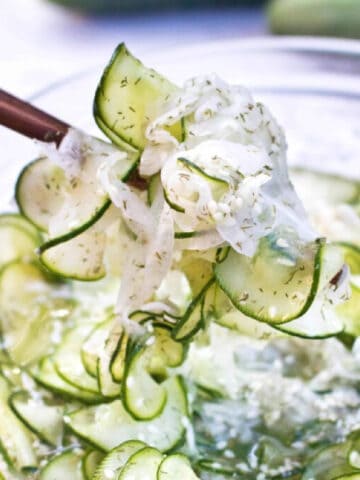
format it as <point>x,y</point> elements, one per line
<point>46,375</point>
<point>142,464</point>
<point>313,186</point>
<point>274,286</point>
<point>44,419</point>
<point>318,322</point>
<point>108,425</point>
<point>334,462</point>
<point>19,221</point>
<point>39,191</point>
<point>16,442</point>
<point>68,363</point>
<point>146,365</point>
<point>350,310</point>
<point>80,258</point>
<point>94,344</point>
<point>56,204</point>
<point>117,362</point>
<point>107,386</point>
<point>16,239</point>
<point>143,397</point>
<point>64,466</point>
<point>218,186</point>
<point>129,95</point>
<point>29,303</point>
<point>116,459</point>
<point>193,319</point>
<point>90,463</point>
<point>176,467</point>
<point>198,270</point>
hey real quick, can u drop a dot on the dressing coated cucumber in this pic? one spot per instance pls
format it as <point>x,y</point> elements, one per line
<point>68,363</point>
<point>44,419</point>
<point>142,464</point>
<point>176,467</point>
<point>108,425</point>
<point>146,366</point>
<point>64,466</point>
<point>137,95</point>
<point>16,442</point>
<point>117,458</point>
<point>94,344</point>
<point>46,375</point>
<point>18,239</point>
<point>29,302</point>
<point>90,463</point>
<point>273,286</point>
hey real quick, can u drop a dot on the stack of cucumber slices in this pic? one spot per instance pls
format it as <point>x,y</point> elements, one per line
<point>86,395</point>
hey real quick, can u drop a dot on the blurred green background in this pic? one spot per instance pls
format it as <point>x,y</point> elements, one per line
<point>340,18</point>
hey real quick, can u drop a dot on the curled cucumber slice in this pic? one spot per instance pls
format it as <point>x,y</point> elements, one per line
<point>274,286</point>
<point>109,425</point>
<point>128,96</point>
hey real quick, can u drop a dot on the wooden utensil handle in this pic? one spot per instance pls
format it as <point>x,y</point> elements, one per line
<point>29,120</point>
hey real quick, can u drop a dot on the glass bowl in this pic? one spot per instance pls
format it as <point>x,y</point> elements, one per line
<point>311,85</point>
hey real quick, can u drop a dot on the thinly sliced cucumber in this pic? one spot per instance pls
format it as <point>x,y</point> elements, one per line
<point>80,258</point>
<point>116,459</point>
<point>222,311</point>
<point>19,221</point>
<point>218,185</point>
<point>108,425</point>
<point>29,303</point>
<point>318,322</point>
<point>107,386</point>
<point>68,363</point>
<point>90,463</point>
<point>193,319</point>
<point>273,286</point>
<point>350,310</point>
<point>137,95</point>
<point>165,351</point>
<point>94,344</point>
<point>333,462</point>
<point>15,440</point>
<point>64,466</point>
<point>39,191</point>
<point>352,258</point>
<point>44,419</point>
<point>146,365</point>
<point>313,186</point>
<point>198,271</point>
<point>117,362</point>
<point>143,397</point>
<point>176,467</point>
<point>46,375</point>
<point>16,239</point>
<point>61,206</point>
<point>142,464</point>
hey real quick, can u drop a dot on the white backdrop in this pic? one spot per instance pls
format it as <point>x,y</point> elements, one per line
<point>41,43</point>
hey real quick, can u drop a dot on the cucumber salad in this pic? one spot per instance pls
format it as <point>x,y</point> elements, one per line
<point>175,302</point>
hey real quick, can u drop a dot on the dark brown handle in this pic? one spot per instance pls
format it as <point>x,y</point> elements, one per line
<point>34,123</point>
<point>29,120</point>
